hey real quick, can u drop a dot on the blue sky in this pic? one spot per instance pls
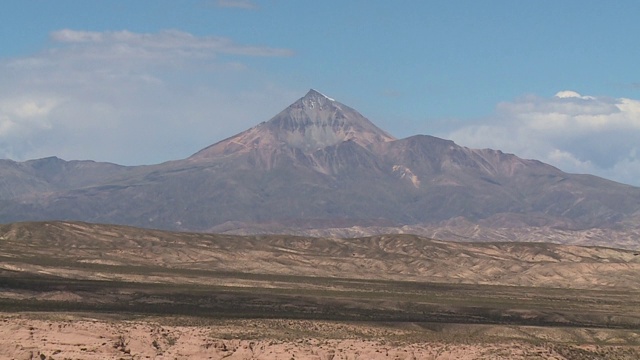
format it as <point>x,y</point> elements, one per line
<point>140,82</point>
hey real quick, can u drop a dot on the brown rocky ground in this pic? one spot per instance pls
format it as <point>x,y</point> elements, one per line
<point>87,291</point>
<point>55,336</point>
<point>82,250</point>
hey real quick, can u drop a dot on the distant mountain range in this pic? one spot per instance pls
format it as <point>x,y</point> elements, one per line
<point>320,164</point>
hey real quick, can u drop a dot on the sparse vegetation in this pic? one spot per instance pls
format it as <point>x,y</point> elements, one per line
<point>312,306</point>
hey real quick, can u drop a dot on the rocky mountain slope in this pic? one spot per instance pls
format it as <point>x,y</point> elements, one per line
<point>319,164</point>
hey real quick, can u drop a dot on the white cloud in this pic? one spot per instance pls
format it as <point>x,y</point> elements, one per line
<point>564,159</point>
<point>164,44</point>
<point>582,134</point>
<point>20,115</point>
<point>30,108</point>
<point>132,98</point>
<point>572,94</point>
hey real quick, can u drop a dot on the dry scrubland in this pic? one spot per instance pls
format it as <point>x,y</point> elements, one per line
<point>35,336</point>
<point>85,291</point>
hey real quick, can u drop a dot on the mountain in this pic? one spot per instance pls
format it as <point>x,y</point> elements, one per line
<point>49,175</point>
<point>312,123</point>
<point>320,164</point>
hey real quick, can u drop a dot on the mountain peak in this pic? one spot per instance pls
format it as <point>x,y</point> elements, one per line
<point>315,94</point>
<point>315,100</point>
<point>317,121</point>
<point>313,122</point>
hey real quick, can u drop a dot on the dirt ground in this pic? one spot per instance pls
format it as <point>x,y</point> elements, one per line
<point>55,336</point>
<point>88,291</point>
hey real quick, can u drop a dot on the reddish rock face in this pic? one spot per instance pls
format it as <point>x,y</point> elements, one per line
<point>312,123</point>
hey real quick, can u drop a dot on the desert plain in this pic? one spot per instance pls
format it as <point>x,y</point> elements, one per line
<point>71,290</point>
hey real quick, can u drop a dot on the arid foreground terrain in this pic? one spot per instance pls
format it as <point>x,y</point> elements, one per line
<point>86,291</point>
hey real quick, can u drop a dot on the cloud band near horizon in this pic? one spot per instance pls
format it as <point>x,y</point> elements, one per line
<point>141,98</point>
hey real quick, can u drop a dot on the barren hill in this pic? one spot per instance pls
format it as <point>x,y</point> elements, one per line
<point>73,249</point>
<point>80,290</point>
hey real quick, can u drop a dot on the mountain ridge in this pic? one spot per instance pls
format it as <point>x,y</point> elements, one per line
<point>318,162</point>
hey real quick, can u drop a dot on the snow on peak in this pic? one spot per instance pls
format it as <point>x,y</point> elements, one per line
<point>314,91</point>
